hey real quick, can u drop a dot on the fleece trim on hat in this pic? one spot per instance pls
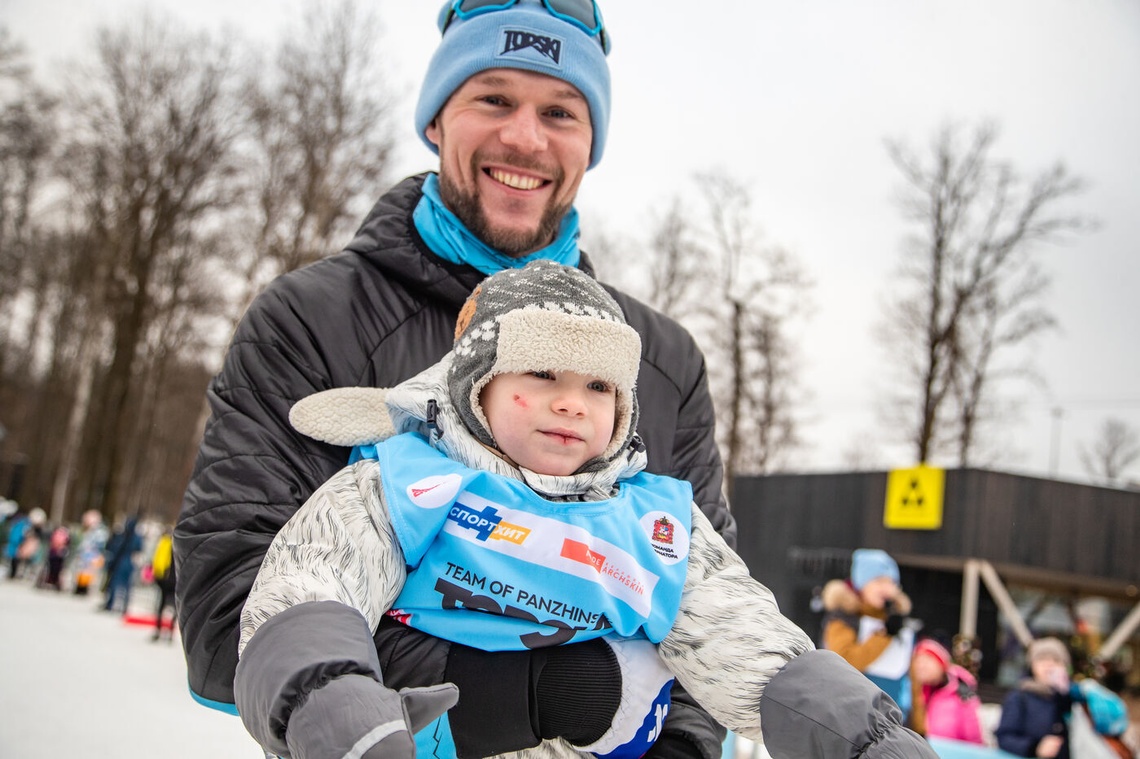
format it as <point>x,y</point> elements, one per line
<point>543,317</point>
<point>869,563</point>
<point>526,37</point>
<point>538,340</point>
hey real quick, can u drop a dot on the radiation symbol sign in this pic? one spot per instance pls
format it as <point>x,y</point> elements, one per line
<point>914,499</point>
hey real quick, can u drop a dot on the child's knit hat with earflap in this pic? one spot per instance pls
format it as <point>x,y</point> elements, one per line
<point>543,317</point>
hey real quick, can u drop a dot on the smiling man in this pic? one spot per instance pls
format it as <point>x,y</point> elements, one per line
<point>516,102</point>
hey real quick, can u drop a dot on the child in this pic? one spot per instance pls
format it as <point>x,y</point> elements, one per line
<point>946,703</point>
<point>864,622</point>
<point>89,555</point>
<point>59,545</point>
<point>1037,716</point>
<point>512,511</point>
<point>1034,714</point>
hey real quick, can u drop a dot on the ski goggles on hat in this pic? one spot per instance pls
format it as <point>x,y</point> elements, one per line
<point>584,14</point>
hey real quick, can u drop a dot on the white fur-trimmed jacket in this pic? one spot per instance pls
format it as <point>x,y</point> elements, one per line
<point>728,643</point>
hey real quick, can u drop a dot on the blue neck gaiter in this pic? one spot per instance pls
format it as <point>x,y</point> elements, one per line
<point>449,239</point>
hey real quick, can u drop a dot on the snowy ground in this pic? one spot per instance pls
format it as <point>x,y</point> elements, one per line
<point>77,682</point>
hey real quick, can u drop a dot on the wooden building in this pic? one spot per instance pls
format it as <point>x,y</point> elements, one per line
<point>996,531</point>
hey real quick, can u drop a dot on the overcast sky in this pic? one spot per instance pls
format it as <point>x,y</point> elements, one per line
<point>796,99</point>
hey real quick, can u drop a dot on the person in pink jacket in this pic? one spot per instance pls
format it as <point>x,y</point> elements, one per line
<point>945,701</point>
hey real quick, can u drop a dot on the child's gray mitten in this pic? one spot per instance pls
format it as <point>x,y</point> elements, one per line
<point>317,729</point>
<point>308,685</point>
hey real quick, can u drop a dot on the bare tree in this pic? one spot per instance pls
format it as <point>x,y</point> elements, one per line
<point>27,135</point>
<point>177,190</point>
<point>971,291</point>
<point>320,139</point>
<point>762,289</point>
<point>679,273</point>
<point>28,264</point>
<point>740,298</point>
<point>149,155</point>
<point>1110,455</point>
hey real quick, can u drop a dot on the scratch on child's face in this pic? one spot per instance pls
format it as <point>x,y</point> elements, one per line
<point>520,401</point>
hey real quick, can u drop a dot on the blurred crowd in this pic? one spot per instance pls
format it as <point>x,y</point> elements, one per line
<point>1052,712</point>
<point>91,558</point>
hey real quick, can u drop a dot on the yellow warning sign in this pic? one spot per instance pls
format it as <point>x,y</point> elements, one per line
<point>914,499</point>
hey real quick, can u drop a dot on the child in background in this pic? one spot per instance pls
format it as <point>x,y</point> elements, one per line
<point>89,554</point>
<point>1037,714</point>
<point>865,623</point>
<point>59,546</point>
<point>945,702</point>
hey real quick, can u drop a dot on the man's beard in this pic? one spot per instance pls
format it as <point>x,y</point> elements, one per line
<point>514,243</point>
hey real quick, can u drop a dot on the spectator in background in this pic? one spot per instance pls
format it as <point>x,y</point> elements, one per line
<point>8,517</point>
<point>162,567</point>
<point>1033,716</point>
<point>1038,719</point>
<point>89,552</point>
<point>58,549</point>
<point>944,697</point>
<point>865,623</point>
<point>24,541</point>
<point>119,556</point>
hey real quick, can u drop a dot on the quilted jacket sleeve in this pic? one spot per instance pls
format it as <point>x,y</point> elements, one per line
<point>821,706</point>
<point>340,546</point>
<point>760,676</point>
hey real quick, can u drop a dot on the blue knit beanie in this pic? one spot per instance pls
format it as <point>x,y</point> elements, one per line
<point>869,563</point>
<point>524,36</point>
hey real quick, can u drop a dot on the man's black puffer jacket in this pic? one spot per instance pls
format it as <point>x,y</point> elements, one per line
<point>373,315</point>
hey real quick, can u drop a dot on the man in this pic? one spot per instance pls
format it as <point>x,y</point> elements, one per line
<point>517,116</point>
<point>516,103</point>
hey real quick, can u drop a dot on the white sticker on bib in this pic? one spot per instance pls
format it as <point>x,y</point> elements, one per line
<point>669,539</point>
<point>435,491</point>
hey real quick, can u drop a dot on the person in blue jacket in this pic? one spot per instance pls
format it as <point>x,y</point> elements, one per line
<point>25,536</point>
<point>119,565</point>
